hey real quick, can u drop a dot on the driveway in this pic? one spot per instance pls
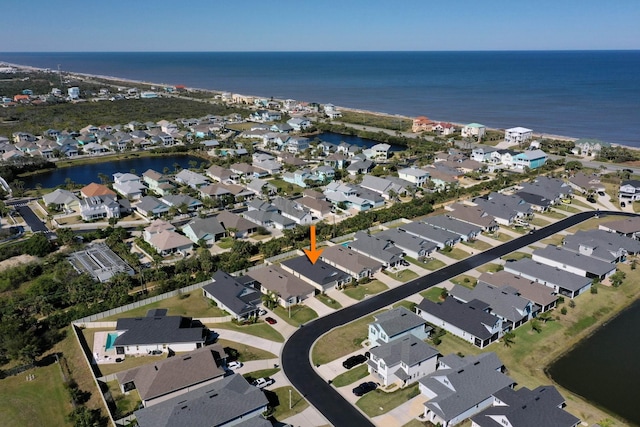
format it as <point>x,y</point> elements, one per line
<point>32,220</point>
<point>318,306</point>
<point>239,337</point>
<point>402,414</point>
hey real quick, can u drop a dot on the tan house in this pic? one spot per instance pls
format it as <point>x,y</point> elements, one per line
<point>94,189</point>
<point>289,290</point>
<point>170,242</point>
<point>422,124</point>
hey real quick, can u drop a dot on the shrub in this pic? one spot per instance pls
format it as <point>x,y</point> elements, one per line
<point>564,310</point>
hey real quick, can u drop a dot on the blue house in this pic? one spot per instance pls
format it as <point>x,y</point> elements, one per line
<point>532,159</point>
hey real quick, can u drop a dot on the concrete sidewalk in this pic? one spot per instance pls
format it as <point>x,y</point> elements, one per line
<point>239,337</point>
<point>402,414</point>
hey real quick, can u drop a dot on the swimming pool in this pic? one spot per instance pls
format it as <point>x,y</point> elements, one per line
<point>111,339</point>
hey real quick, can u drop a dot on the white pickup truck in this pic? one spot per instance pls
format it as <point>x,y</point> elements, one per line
<point>263,382</point>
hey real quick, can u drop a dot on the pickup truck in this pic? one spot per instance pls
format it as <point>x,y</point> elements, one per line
<point>262,382</point>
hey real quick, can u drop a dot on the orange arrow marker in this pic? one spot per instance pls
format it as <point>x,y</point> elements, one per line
<point>313,254</point>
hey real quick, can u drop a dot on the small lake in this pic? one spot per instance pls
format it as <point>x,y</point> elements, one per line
<point>87,173</point>
<point>605,368</point>
<point>337,138</point>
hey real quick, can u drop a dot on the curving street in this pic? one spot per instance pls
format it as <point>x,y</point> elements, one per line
<point>296,362</point>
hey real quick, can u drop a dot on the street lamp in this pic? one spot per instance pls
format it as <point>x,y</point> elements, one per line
<point>290,405</point>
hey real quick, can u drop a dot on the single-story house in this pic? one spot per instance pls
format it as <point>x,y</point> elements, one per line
<point>235,225</point>
<point>164,379</point>
<point>61,199</point>
<point>442,238</point>
<point>470,321</point>
<point>351,262</point>
<point>150,207</point>
<point>473,215</point>
<point>412,245</point>
<point>561,281</point>
<point>157,331</point>
<point>320,275</point>
<point>574,262</point>
<point>628,227</point>
<point>232,296</point>
<point>231,401</point>
<point>463,229</point>
<point>170,242</point>
<point>208,229</point>
<point>380,250</point>
<point>542,296</point>
<point>286,288</point>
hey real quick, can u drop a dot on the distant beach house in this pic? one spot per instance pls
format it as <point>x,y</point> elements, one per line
<point>589,147</point>
<point>331,111</point>
<point>517,135</point>
<point>474,130</point>
<point>422,124</point>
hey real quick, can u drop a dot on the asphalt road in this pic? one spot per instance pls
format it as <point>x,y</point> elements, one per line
<point>31,219</point>
<point>296,358</point>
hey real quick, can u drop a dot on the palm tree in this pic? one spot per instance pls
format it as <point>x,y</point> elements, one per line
<point>508,339</point>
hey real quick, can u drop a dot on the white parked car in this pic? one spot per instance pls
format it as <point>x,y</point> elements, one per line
<point>234,365</point>
<point>263,382</point>
<point>262,312</point>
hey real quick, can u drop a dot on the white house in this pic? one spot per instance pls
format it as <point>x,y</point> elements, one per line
<point>403,360</point>
<point>474,130</point>
<point>396,323</point>
<point>517,135</point>
<point>414,175</point>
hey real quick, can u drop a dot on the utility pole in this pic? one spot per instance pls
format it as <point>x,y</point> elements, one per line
<point>60,76</point>
<point>290,405</point>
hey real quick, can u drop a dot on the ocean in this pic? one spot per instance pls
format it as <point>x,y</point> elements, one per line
<point>582,94</point>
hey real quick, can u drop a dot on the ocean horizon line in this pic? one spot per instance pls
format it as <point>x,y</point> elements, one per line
<point>329,51</point>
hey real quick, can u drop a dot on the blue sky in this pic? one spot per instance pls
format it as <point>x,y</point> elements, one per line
<point>328,25</point>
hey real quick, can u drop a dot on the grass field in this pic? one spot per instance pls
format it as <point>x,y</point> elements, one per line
<point>555,214</point>
<point>261,330</point>
<point>225,243</point>
<point>402,275</point>
<point>489,268</point>
<point>379,402</point>
<point>539,222</point>
<point>262,373</point>
<point>464,280</point>
<point>371,288</point>
<point>351,376</point>
<point>432,294</point>
<point>193,305</point>
<point>516,256</point>
<point>409,305</point>
<point>300,314</point>
<point>341,341</point>
<point>281,396</point>
<point>328,301</point>
<point>41,402</point>
<point>456,253</point>
<point>247,352</point>
<point>478,244</point>
<point>502,237</point>
<point>433,264</point>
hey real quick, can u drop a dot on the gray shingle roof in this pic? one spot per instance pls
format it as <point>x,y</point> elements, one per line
<point>533,291</point>
<point>583,262</point>
<point>430,233</point>
<point>348,259</point>
<point>407,241</point>
<point>409,350</point>
<point>473,381</point>
<point>210,406</point>
<point>236,297</point>
<point>320,272</point>
<point>469,317</point>
<point>203,226</point>
<point>547,275</point>
<point>453,225</point>
<point>275,279</point>
<point>549,188</point>
<point>397,321</point>
<point>155,329</point>
<point>376,248</point>
<point>611,241</point>
<point>503,304</point>
<point>175,373</point>
<point>528,408</point>
<point>624,226</point>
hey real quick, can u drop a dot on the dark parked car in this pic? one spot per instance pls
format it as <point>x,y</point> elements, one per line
<point>364,388</point>
<point>591,199</point>
<point>271,320</point>
<point>354,361</point>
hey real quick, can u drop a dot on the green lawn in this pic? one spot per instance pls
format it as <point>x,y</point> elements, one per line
<point>432,294</point>
<point>41,402</point>
<point>279,400</point>
<point>478,244</point>
<point>225,243</point>
<point>260,329</point>
<point>329,302</point>
<point>554,214</point>
<point>192,304</point>
<point>341,341</point>
<point>300,314</point>
<point>555,240</point>
<point>262,373</point>
<point>516,256</point>
<point>580,203</point>
<point>464,280</point>
<point>567,208</point>
<point>286,187</point>
<point>247,352</point>
<point>409,305</point>
<point>489,268</point>
<point>125,403</point>
<point>402,275</point>
<point>502,237</point>
<point>433,264</point>
<point>455,253</point>
<point>539,222</point>
<point>371,288</point>
<point>379,402</point>
<point>351,376</point>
